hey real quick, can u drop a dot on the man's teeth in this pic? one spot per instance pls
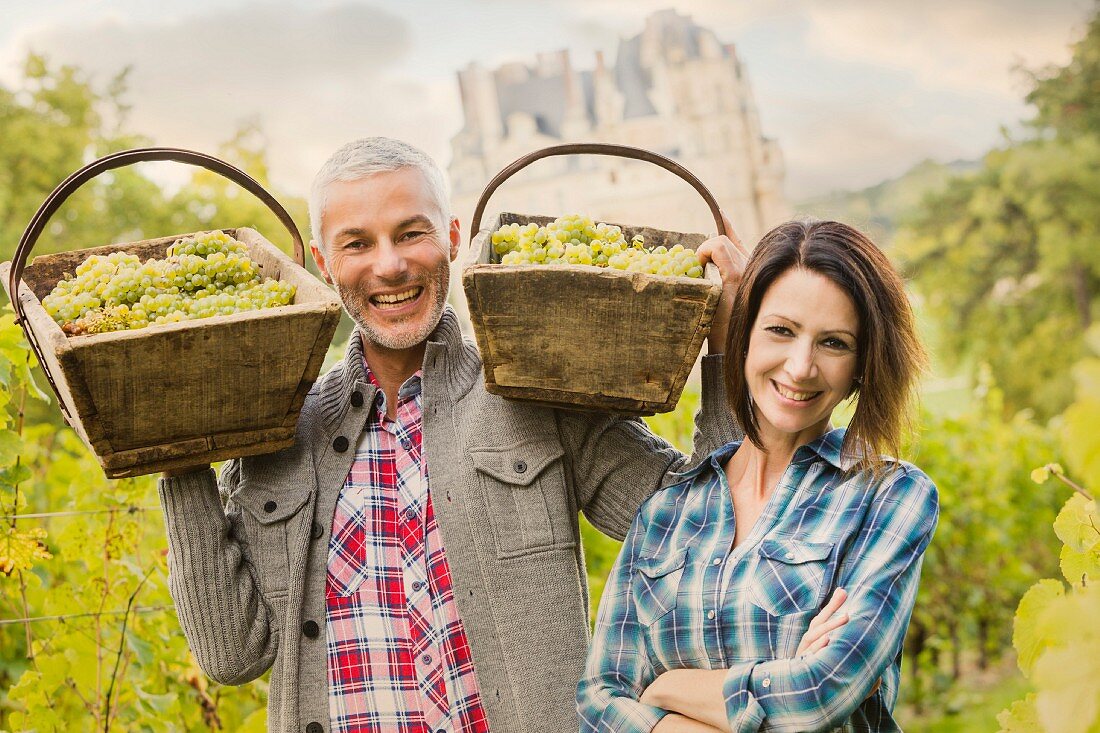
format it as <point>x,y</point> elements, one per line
<point>799,396</point>
<point>396,298</point>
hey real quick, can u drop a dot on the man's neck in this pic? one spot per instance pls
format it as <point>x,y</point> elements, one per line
<point>391,367</point>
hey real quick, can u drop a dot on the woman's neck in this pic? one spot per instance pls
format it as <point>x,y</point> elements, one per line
<point>757,470</point>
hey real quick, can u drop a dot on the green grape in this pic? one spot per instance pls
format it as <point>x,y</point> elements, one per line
<point>203,275</point>
<point>577,240</point>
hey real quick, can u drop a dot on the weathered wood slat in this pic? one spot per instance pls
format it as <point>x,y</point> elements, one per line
<point>586,338</point>
<point>191,392</point>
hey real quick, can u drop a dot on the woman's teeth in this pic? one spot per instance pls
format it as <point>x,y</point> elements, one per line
<point>797,396</point>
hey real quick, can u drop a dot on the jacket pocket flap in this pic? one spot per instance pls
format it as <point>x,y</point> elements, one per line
<point>795,552</point>
<point>517,464</point>
<point>269,504</point>
<point>658,567</point>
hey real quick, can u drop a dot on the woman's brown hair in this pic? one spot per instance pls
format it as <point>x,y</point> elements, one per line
<point>890,356</point>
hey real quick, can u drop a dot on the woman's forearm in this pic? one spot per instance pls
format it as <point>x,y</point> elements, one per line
<point>676,723</point>
<point>693,693</point>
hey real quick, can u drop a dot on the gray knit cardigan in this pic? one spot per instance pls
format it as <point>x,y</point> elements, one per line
<point>507,482</point>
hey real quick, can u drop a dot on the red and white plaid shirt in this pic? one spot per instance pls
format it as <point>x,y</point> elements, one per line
<point>398,657</point>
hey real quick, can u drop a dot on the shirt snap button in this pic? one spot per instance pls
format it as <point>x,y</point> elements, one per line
<point>710,613</point>
<point>766,683</point>
<point>520,466</point>
<point>790,556</point>
<point>426,659</point>
<point>270,506</point>
<point>717,561</point>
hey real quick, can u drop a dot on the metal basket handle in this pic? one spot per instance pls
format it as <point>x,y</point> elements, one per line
<point>117,160</point>
<point>620,151</point>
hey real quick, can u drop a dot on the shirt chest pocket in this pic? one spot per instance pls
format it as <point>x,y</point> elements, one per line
<point>656,583</point>
<point>273,519</point>
<point>790,576</point>
<point>523,486</point>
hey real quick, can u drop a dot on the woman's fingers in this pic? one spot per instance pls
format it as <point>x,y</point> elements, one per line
<point>827,620</point>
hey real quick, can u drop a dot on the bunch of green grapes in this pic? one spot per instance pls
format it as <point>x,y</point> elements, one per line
<point>204,275</point>
<point>577,240</point>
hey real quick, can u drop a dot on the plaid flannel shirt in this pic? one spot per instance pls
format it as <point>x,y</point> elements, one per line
<point>398,657</point>
<point>680,596</point>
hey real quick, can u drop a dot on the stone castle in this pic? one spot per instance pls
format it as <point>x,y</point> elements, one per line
<point>674,89</point>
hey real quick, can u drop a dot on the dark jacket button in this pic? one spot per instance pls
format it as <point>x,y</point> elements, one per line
<point>340,444</point>
<point>317,531</point>
<point>315,727</point>
<point>311,629</point>
<point>357,399</point>
<point>520,466</point>
<point>270,506</point>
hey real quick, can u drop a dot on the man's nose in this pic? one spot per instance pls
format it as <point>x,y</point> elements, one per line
<point>390,264</point>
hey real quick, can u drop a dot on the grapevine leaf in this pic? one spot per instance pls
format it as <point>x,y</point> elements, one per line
<point>1028,634</point>
<point>1021,717</point>
<point>20,548</point>
<point>1081,439</point>
<point>1040,475</point>
<point>1065,676</point>
<point>1080,567</point>
<point>10,447</point>
<point>1078,524</point>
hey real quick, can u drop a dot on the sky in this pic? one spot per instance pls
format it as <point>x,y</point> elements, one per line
<point>855,91</point>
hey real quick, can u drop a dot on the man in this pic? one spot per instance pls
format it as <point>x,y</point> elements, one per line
<point>413,562</point>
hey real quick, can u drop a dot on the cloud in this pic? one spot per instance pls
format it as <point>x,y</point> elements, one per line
<point>947,44</point>
<point>312,77</point>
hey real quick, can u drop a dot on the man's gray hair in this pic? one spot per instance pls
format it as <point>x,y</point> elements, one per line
<point>362,158</point>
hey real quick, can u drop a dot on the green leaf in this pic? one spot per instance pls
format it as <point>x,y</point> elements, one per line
<point>1041,474</point>
<point>1029,636</point>
<point>1078,525</point>
<point>10,447</point>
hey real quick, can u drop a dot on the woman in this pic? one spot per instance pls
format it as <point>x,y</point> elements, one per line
<point>705,622</point>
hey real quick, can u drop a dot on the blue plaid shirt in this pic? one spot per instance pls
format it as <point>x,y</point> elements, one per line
<point>681,597</point>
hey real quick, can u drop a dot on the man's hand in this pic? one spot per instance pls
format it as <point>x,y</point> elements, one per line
<point>816,637</point>
<point>729,255</point>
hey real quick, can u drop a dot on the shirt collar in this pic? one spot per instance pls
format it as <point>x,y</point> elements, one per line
<point>827,447</point>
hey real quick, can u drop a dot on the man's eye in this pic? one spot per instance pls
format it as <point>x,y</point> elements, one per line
<point>355,244</point>
<point>408,236</point>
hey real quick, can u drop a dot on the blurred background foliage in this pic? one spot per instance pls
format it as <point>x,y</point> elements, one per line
<point>1004,264</point>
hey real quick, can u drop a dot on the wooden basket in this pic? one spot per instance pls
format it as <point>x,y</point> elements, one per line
<point>180,394</point>
<point>582,337</point>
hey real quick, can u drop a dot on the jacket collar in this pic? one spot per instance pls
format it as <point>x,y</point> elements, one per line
<point>451,365</point>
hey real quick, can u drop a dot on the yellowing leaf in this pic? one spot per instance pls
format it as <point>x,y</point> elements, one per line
<point>19,549</point>
<point>1028,634</point>
<point>1021,717</point>
<point>1078,525</point>
<point>1066,676</point>
<point>1040,475</point>
<point>1080,567</point>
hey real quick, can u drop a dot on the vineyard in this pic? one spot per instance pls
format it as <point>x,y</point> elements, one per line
<point>1005,271</point>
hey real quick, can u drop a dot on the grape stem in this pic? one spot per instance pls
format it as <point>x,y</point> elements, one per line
<point>1075,486</point>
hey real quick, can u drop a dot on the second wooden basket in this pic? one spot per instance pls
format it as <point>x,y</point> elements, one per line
<point>588,338</point>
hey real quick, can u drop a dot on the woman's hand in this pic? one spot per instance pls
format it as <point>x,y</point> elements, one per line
<point>729,255</point>
<point>816,637</point>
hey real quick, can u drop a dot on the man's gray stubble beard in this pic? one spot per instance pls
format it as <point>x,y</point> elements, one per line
<point>355,308</point>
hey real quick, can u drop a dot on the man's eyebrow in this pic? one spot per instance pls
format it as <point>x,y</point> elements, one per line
<point>420,219</point>
<point>353,232</point>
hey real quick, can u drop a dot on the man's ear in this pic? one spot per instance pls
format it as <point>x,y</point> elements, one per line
<point>456,237</point>
<point>319,258</point>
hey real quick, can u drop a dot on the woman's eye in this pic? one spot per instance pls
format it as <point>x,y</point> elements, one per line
<point>779,330</point>
<point>837,344</point>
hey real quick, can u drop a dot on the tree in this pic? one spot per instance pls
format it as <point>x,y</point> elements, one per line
<point>1006,258</point>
